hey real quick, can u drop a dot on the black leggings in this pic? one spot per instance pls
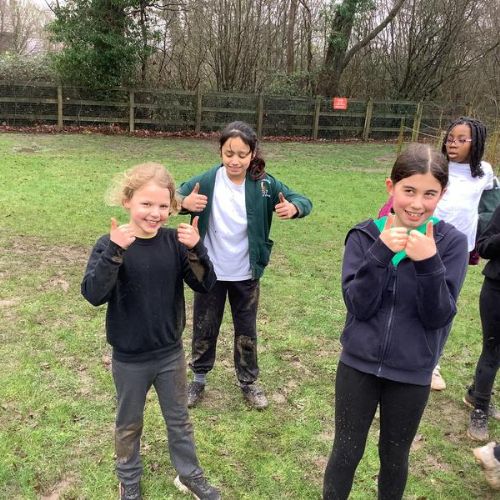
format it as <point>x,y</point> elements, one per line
<point>357,396</point>
<point>489,360</point>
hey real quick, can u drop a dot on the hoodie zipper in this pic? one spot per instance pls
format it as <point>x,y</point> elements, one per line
<point>389,322</point>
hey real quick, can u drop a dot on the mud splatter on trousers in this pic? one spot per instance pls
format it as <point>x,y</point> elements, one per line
<point>208,312</point>
<point>133,381</point>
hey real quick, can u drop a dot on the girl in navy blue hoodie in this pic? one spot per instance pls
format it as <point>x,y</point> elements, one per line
<point>401,277</point>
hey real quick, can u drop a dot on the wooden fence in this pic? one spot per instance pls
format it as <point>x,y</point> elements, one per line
<point>177,110</point>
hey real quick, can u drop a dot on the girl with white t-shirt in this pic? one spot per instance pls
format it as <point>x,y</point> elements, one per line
<point>469,176</point>
<point>235,201</point>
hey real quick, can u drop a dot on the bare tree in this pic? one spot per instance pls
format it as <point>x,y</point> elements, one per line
<point>338,54</point>
<point>21,26</point>
<point>290,37</point>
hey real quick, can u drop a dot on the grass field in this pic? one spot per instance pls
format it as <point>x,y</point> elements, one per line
<point>56,391</point>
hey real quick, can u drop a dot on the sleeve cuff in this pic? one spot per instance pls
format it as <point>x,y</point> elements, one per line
<point>429,266</point>
<point>199,249</point>
<point>115,252</point>
<point>381,252</point>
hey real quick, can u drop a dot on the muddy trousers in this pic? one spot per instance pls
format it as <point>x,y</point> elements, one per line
<point>132,382</point>
<point>489,360</point>
<point>357,396</point>
<point>208,311</point>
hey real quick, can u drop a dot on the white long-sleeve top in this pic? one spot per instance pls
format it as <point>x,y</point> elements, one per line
<point>459,204</point>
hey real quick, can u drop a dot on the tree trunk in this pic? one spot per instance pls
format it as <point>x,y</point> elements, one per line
<point>290,32</point>
<point>337,56</point>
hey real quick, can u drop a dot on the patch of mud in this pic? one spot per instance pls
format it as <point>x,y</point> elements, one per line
<point>58,490</point>
<point>28,248</point>
<point>9,303</point>
<point>387,158</point>
<point>453,417</point>
<point>8,312</point>
<point>370,170</point>
<point>107,362</point>
<point>54,283</point>
<point>217,397</point>
<point>430,462</point>
<point>418,442</point>
<point>281,397</point>
<point>278,398</point>
<point>34,148</point>
<point>294,360</point>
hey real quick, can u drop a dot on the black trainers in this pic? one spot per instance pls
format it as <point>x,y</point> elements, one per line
<point>478,426</point>
<point>130,491</point>
<point>254,396</point>
<point>199,487</point>
<point>493,411</point>
<point>196,390</point>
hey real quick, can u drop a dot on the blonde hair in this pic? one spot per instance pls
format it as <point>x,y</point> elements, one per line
<point>127,183</point>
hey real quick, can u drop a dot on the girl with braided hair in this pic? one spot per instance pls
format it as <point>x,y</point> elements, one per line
<point>463,145</point>
<point>469,176</point>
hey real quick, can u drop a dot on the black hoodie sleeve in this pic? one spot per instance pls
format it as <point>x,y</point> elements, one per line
<point>439,280</point>
<point>365,270</point>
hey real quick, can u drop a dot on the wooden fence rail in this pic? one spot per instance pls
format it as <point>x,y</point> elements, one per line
<point>177,110</point>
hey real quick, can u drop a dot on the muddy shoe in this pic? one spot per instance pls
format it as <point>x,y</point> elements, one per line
<point>478,426</point>
<point>485,455</point>
<point>254,395</point>
<point>196,390</point>
<point>199,487</point>
<point>493,411</point>
<point>437,382</point>
<point>130,491</point>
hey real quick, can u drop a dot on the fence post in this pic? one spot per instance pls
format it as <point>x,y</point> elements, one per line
<point>401,136</point>
<point>441,120</point>
<point>416,122</point>
<point>60,121</point>
<point>317,108</point>
<point>199,102</point>
<point>260,115</point>
<point>131,111</point>
<point>440,139</point>
<point>368,119</point>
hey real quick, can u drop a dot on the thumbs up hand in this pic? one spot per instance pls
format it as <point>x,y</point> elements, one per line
<point>395,238</point>
<point>188,234</point>
<point>421,246</point>
<point>195,202</point>
<point>284,209</point>
<point>122,235</point>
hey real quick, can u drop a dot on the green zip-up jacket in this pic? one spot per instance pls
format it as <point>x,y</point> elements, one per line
<point>261,196</point>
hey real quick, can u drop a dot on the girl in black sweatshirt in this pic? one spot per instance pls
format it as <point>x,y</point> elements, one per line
<point>139,270</point>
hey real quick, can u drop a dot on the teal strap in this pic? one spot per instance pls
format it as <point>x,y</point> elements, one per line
<point>380,223</point>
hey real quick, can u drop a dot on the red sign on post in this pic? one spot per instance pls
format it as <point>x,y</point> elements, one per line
<point>339,103</point>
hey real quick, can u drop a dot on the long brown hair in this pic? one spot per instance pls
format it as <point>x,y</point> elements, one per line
<point>249,137</point>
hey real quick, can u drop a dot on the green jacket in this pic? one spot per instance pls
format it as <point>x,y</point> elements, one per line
<point>261,196</point>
